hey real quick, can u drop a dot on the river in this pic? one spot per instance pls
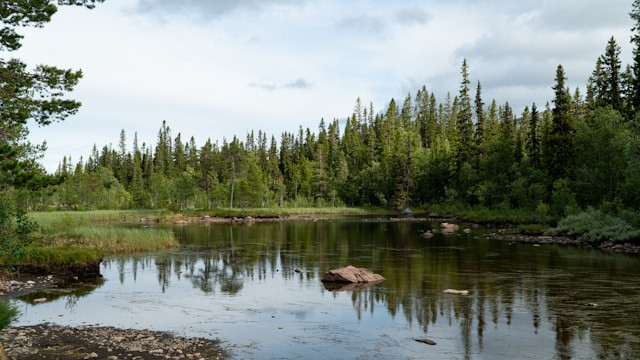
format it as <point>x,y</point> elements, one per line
<point>237,283</point>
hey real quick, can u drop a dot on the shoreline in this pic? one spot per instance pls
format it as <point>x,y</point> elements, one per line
<point>606,247</point>
<point>47,341</point>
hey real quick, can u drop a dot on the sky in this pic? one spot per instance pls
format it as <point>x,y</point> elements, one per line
<point>219,68</point>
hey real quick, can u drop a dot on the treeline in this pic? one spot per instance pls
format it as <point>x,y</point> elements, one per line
<point>577,152</point>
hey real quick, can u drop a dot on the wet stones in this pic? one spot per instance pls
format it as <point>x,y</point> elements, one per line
<point>104,343</point>
<point>448,229</point>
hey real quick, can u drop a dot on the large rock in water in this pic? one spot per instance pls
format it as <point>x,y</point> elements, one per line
<point>351,274</point>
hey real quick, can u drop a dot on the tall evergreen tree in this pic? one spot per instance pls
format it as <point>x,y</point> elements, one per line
<point>635,40</point>
<point>559,147</point>
<point>464,120</point>
<point>533,141</point>
<point>611,67</point>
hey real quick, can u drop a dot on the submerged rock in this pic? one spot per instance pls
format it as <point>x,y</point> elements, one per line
<point>426,341</point>
<point>456,292</point>
<point>448,229</point>
<point>351,274</point>
<point>427,234</point>
<point>339,286</point>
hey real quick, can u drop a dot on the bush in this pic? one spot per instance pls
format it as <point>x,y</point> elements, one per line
<point>594,226</point>
<point>8,314</point>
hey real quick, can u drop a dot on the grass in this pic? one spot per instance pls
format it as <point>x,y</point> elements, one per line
<point>113,239</point>
<point>532,228</point>
<point>484,214</point>
<point>40,253</point>
<point>101,230</point>
<point>286,211</point>
<point>56,220</point>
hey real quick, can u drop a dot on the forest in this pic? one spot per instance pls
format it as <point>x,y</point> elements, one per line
<point>581,150</point>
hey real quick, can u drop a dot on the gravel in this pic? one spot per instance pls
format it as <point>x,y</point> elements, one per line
<point>47,341</point>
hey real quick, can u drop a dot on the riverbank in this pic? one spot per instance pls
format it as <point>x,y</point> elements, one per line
<point>620,248</point>
<point>47,341</point>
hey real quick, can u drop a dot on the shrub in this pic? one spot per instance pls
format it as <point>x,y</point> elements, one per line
<point>594,226</point>
<point>8,314</point>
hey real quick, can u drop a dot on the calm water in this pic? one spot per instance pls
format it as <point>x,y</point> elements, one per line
<point>237,283</point>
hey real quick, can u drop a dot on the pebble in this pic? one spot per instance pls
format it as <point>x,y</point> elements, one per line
<point>24,342</point>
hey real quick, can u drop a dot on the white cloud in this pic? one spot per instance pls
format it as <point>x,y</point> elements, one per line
<point>208,77</point>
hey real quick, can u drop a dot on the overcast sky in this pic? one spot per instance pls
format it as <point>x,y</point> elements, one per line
<point>218,68</point>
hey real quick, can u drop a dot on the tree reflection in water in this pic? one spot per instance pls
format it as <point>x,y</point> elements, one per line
<point>548,284</point>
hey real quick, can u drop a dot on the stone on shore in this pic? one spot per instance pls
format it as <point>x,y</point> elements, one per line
<point>351,274</point>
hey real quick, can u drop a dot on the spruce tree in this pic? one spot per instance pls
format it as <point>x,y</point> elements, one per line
<point>611,68</point>
<point>464,120</point>
<point>533,143</point>
<point>559,145</point>
<point>635,40</point>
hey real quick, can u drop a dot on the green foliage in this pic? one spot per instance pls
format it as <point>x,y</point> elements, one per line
<point>545,164</point>
<point>594,226</point>
<point>40,253</point>
<point>16,233</point>
<point>8,314</point>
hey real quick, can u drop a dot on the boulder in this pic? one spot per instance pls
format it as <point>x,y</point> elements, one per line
<point>407,212</point>
<point>351,274</point>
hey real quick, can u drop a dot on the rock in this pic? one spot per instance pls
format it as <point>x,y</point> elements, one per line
<point>338,286</point>
<point>298,270</point>
<point>456,292</point>
<point>427,234</point>
<point>181,222</point>
<point>426,341</point>
<point>39,300</point>
<point>14,283</point>
<point>407,212</point>
<point>156,351</point>
<point>351,274</point>
<point>467,231</point>
<point>448,229</point>
<point>91,356</point>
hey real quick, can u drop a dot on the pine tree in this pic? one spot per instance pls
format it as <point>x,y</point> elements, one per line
<point>559,147</point>
<point>479,123</point>
<point>464,121</point>
<point>611,68</point>
<point>635,40</point>
<point>533,142</point>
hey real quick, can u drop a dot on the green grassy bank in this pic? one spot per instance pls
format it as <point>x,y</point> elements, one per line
<point>73,239</point>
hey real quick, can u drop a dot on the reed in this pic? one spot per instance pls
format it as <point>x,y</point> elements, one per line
<point>53,221</point>
<point>115,239</point>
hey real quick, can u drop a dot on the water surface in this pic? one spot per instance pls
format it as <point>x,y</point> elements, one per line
<point>237,283</point>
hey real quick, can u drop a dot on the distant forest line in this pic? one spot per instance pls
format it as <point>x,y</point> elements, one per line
<point>579,151</point>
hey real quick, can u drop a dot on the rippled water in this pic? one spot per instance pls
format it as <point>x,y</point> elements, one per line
<point>237,283</point>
